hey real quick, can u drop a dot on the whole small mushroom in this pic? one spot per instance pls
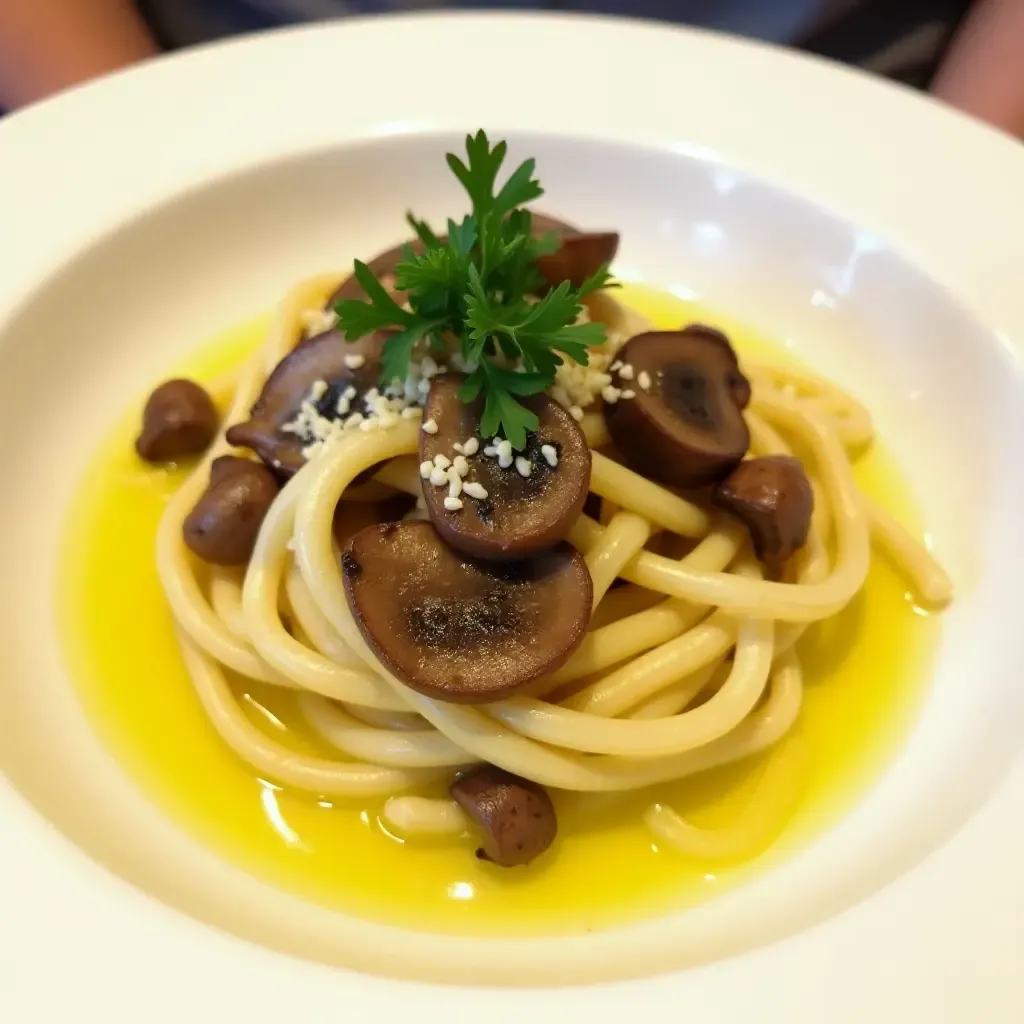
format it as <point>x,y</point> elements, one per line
<point>179,419</point>
<point>514,816</point>
<point>226,520</point>
<point>774,499</point>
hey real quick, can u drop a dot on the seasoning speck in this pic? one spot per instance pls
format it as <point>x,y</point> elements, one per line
<point>349,566</point>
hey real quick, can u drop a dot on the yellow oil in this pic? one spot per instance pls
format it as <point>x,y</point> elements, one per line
<point>865,673</point>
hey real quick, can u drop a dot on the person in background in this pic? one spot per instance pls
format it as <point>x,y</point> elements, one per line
<point>966,53</point>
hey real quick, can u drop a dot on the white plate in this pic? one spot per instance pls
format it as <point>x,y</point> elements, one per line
<point>141,214</point>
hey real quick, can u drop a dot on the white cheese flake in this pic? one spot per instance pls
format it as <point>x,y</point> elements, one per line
<point>410,412</point>
<point>475,490</point>
<point>354,420</point>
<point>438,477</point>
<point>490,451</point>
<point>442,461</point>
<point>354,362</point>
<point>610,394</point>
<point>318,390</point>
<point>643,378</point>
<point>628,393</point>
<point>454,483</point>
<point>524,467</point>
<point>460,465</point>
<point>576,413</point>
<point>550,454</point>
<point>426,468</point>
<point>430,426</point>
<point>471,447</point>
<point>452,504</point>
<point>626,371</point>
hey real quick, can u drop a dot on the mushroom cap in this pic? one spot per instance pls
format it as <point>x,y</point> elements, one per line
<point>179,419</point>
<point>318,358</point>
<point>687,429</point>
<point>774,499</point>
<point>460,629</point>
<point>515,816</point>
<point>223,526</point>
<point>521,516</point>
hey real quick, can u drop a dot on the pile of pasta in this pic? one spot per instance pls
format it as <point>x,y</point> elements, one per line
<point>690,662</point>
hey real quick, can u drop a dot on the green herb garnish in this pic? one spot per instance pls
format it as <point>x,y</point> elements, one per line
<point>480,284</point>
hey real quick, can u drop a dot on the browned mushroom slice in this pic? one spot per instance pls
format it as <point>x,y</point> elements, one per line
<point>680,420</point>
<point>579,256</point>
<point>515,817</point>
<point>460,629</point>
<point>773,497</point>
<point>521,515</point>
<point>179,419</point>
<point>224,525</point>
<point>315,371</point>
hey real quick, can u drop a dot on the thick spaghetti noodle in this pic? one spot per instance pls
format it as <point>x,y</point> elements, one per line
<point>691,664</point>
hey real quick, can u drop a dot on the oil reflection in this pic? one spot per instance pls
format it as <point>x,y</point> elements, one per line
<point>268,797</point>
<point>461,891</point>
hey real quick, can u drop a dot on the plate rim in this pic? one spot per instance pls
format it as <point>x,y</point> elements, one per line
<point>914,133</point>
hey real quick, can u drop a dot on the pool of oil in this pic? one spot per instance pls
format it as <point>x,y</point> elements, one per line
<point>865,673</point>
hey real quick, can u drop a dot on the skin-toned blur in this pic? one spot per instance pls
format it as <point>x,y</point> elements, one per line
<point>974,48</point>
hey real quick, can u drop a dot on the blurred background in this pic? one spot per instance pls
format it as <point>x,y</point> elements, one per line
<point>966,53</point>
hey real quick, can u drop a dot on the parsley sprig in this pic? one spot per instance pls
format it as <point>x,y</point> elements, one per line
<point>480,285</point>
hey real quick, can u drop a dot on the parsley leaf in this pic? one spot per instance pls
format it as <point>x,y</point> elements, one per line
<point>480,286</point>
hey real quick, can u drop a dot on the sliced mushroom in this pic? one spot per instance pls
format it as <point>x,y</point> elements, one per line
<point>224,525</point>
<point>383,265</point>
<point>773,498</point>
<point>515,816</point>
<point>521,515</point>
<point>580,255</point>
<point>322,358</point>
<point>179,419</point>
<point>686,427</point>
<point>459,629</point>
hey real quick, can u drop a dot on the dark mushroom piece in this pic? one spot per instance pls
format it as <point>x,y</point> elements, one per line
<point>521,515</point>
<point>515,817</point>
<point>580,255</point>
<point>774,499</point>
<point>460,629</point>
<point>224,525</point>
<point>383,265</point>
<point>684,423</point>
<point>322,358</point>
<point>179,419</point>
